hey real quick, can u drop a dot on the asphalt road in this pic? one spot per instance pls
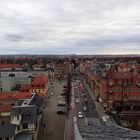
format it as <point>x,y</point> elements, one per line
<point>54,124</point>
<point>91,114</point>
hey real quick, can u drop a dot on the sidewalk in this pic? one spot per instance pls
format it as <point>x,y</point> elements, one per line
<point>69,134</point>
<point>69,130</point>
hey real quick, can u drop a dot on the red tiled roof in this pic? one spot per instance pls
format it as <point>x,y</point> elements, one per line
<point>123,75</point>
<point>5,108</point>
<point>123,65</point>
<point>62,65</point>
<point>25,88</point>
<point>15,96</point>
<point>40,81</point>
<point>137,66</point>
<point>9,66</point>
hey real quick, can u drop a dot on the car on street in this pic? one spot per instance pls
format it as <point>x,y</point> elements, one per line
<point>63,94</point>
<point>77,100</point>
<point>84,108</point>
<point>65,86</point>
<point>52,93</point>
<point>90,123</point>
<point>80,115</point>
<point>61,103</point>
<point>61,112</point>
<point>86,101</point>
<point>69,106</point>
<point>84,95</point>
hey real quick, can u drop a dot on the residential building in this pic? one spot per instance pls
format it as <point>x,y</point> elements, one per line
<point>118,87</point>
<point>62,70</point>
<point>9,83</point>
<point>21,118</point>
<point>38,84</point>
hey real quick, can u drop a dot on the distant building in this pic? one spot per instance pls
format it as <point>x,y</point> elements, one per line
<point>62,70</point>
<point>10,67</point>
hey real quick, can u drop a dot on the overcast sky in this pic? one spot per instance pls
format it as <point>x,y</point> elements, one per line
<point>70,26</point>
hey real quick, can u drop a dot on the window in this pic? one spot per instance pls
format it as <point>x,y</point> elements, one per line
<point>2,122</point>
<point>28,114</point>
<point>25,126</point>
<point>129,82</point>
<point>110,82</point>
<point>119,82</point>
<point>18,127</point>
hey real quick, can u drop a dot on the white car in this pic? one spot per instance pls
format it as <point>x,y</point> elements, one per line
<point>52,93</point>
<point>61,103</point>
<point>77,100</point>
<point>80,115</point>
<point>84,108</point>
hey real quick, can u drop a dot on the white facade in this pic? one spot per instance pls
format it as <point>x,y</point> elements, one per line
<point>8,83</point>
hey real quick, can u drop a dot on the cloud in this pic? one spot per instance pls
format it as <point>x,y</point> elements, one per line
<point>60,26</point>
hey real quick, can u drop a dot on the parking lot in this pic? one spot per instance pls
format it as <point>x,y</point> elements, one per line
<point>53,124</point>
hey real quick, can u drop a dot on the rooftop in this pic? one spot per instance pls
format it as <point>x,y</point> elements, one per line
<point>2,66</point>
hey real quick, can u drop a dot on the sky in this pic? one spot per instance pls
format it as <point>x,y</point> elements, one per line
<point>70,27</point>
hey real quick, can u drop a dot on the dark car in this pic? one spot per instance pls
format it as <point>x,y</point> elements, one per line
<point>90,123</point>
<point>61,112</point>
<point>84,95</point>
<point>69,106</point>
<point>65,86</point>
<point>63,94</point>
<point>86,101</point>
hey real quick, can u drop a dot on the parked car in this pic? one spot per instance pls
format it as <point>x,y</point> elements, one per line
<point>77,100</point>
<point>86,101</point>
<point>63,94</point>
<point>90,123</point>
<point>84,95</point>
<point>61,112</point>
<point>69,107</point>
<point>65,86</point>
<point>52,93</point>
<point>80,115</point>
<point>61,103</point>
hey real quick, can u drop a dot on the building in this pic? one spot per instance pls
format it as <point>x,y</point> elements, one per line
<point>12,82</point>
<point>20,116</point>
<point>118,88</point>
<point>7,84</point>
<point>38,84</point>
<point>10,67</point>
<point>62,70</point>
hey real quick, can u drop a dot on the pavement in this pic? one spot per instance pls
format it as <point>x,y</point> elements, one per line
<point>91,114</point>
<point>69,131</point>
<point>53,125</point>
<point>99,108</point>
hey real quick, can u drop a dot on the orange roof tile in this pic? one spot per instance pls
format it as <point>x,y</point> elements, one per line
<point>41,94</point>
<point>5,108</point>
<point>9,66</point>
<point>40,80</point>
<point>123,65</point>
<point>25,88</point>
<point>15,96</point>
